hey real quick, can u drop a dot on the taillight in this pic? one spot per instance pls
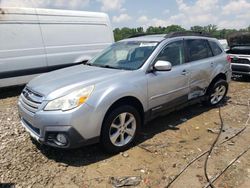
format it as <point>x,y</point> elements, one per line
<point>229,59</point>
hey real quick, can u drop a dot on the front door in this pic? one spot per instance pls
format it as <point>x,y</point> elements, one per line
<point>169,88</point>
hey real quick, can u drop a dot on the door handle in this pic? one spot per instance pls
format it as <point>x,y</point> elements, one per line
<point>212,64</point>
<point>184,72</point>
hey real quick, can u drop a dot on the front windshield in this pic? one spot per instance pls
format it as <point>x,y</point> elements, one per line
<point>125,55</point>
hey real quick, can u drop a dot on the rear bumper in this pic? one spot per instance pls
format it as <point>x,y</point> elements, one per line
<point>241,69</point>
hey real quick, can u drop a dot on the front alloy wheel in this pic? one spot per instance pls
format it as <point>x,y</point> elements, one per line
<point>120,129</point>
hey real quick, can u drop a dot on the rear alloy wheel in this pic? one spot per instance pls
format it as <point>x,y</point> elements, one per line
<point>120,129</point>
<point>217,93</point>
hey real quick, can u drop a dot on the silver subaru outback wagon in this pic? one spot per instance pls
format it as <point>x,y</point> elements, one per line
<point>109,98</point>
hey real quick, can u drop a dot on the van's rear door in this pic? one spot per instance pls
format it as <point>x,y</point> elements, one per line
<point>21,46</point>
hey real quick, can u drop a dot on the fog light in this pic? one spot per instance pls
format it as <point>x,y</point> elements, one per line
<point>62,139</point>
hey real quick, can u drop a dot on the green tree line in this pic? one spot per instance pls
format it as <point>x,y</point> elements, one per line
<point>210,29</point>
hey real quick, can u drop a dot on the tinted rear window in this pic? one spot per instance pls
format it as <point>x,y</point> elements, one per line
<point>216,49</point>
<point>198,49</point>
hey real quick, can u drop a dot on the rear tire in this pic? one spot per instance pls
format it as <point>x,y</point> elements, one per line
<point>216,93</point>
<point>120,129</point>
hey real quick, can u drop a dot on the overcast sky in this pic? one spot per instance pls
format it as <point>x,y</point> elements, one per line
<point>134,13</point>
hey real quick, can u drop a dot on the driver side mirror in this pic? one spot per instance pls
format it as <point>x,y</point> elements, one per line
<point>163,66</point>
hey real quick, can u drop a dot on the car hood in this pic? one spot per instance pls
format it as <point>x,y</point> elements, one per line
<point>58,83</point>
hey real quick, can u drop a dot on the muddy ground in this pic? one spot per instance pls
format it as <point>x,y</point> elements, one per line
<point>167,144</point>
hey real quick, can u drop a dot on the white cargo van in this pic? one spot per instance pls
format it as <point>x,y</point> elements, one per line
<point>34,41</point>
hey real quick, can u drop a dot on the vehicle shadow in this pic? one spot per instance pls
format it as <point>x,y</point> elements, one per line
<point>92,154</point>
<point>10,92</point>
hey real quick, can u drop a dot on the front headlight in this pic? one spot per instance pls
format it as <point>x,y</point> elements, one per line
<point>70,101</point>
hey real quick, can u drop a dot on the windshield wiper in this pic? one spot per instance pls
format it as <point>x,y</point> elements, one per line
<point>108,66</point>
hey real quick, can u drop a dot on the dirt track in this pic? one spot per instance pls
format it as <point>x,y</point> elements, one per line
<point>167,144</point>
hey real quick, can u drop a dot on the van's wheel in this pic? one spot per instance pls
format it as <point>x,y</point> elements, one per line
<point>217,93</point>
<point>120,129</point>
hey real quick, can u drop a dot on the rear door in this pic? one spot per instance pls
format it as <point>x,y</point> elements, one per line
<point>200,59</point>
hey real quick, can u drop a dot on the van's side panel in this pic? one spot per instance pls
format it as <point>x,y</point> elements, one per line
<point>73,37</point>
<point>34,41</point>
<point>21,45</point>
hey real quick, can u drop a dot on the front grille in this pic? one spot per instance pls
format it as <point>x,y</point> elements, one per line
<point>30,100</point>
<point>241,61</point>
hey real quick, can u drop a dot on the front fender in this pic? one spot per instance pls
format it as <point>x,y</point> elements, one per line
<point>102,99</point>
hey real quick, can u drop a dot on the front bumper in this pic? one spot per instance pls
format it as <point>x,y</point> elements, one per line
<point>241,69</point>
<point>75,125</point>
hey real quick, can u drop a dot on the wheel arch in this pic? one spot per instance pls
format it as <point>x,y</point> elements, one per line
<point>128,100</point>
<point>220,76</point>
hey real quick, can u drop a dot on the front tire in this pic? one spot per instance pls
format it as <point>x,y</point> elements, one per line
<point>120,129</point>
<point>217,93</point>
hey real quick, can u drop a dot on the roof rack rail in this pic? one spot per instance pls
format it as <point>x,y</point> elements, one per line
<point>187,33</point>
<point>174,34</point>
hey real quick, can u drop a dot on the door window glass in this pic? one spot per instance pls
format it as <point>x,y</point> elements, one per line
<point>173,52</point>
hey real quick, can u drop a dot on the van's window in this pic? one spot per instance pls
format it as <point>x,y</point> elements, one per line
<point>198,49</point>
<point>125,55</point>
<point>173,52</point>
<point>216,49</point>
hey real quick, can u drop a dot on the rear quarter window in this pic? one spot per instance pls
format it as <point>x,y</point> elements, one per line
<point>215,48</point>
